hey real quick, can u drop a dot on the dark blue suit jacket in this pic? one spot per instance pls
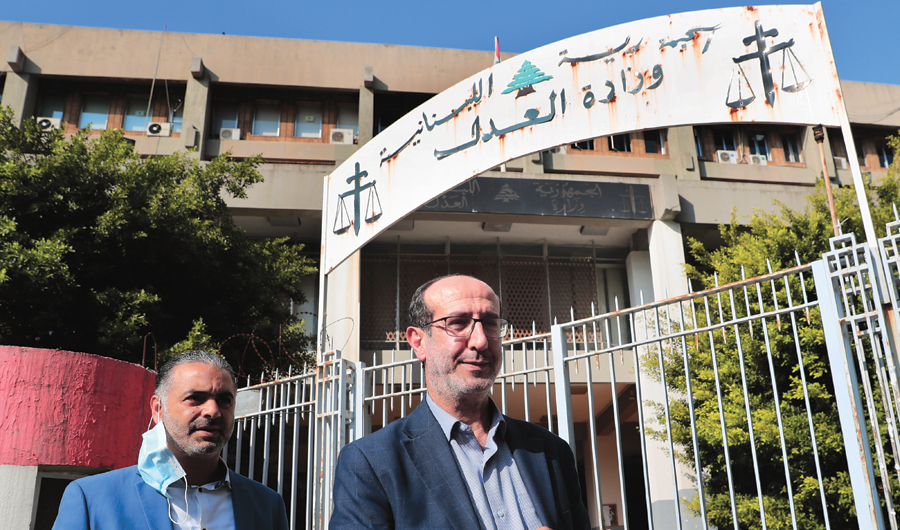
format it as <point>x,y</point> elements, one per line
<point>121,499</point>
<point>405,476</point>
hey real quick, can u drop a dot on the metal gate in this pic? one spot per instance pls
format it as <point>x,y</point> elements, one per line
<point>765,403</point>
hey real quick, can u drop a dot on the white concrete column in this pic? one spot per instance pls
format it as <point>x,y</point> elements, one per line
<point>667,260</point>
<point>341,315</point>
<point>640,277</point>
<point>662,267</point>
<point>18,485</point>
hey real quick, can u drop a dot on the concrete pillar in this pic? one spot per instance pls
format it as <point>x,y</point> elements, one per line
<point>341,320</point>
<point>667,260</point>
<point>366,107</point>
<point>18,485</point>
<point>682,149</point>
<point>640,279</point>
<point>197,109</point>
<point>20,94</point>
<point>659,274</point>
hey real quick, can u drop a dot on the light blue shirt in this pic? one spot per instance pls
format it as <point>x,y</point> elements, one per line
<point>209,507</point>
<point>491,475</point>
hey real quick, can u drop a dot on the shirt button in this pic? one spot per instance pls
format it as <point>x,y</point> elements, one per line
<point>502,514</point>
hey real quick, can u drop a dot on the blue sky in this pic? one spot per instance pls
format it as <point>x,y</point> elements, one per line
<point>863,32</point>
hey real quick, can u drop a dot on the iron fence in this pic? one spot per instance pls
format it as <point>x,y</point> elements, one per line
<point>755,404</point>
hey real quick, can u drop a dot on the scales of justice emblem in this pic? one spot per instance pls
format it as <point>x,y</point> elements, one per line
<point>797,80</point>
<point>342,219</point>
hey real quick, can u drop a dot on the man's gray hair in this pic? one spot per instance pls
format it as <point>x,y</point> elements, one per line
<point>164,379</point>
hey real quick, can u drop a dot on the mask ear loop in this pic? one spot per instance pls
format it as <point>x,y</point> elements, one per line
<point>158,419</point>
<point>186,507</point>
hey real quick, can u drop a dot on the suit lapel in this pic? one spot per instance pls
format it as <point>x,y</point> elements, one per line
<point>155,506</point>
<point>531,461</point>
<point>428,450</point>
<point>243,514</point>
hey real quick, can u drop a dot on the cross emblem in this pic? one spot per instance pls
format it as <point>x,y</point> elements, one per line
<point>762,53</point>
<point>355,192</point>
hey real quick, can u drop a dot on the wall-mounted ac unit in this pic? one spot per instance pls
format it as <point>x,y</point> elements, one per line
<point>342,136</point>
<point>727,157</point>
<point>159,129</point>
<point>758,160</point>
<point>47,124</point>
<point>229,134</point>
<point>841,163</point>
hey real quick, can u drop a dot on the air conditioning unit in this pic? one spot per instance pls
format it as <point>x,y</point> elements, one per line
<point>47,124</point>
<point>727,157</point>
<point>229,134</point>
<point>159,129</point>
<point>342,136</point>
<point>758,160</point>
<point>840,163</point>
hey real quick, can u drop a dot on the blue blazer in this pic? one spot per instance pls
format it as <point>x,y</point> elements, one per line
<point>121,499</point>
<point>405,476</point>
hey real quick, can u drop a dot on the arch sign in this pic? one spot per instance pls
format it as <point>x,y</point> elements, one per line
<point>770,64</point>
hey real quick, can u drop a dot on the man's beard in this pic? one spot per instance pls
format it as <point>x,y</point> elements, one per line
<point>190,447</point>
<point>449,382</point>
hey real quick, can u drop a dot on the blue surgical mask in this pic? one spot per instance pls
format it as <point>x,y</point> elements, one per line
<point>156,463</point>
<point>158,466</point>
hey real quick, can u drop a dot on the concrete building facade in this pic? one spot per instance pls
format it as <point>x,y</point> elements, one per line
<point>294,101</point>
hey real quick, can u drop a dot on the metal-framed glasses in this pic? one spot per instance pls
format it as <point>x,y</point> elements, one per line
<point>462,326</point>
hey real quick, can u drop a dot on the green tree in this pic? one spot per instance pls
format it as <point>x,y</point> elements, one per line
<point>102,251</point>
<point>770,239</point>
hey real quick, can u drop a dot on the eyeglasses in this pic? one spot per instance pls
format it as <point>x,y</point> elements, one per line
<point>494,328</point>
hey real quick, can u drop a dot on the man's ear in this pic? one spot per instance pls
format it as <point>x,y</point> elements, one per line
<point>416,338</point>
<point>155,405</point>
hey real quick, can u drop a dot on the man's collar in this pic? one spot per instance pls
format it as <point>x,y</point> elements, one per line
<point>215,484</point>
<point>227,480</point>
<point>447,421</point>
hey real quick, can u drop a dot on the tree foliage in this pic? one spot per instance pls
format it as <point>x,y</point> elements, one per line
<point>771,241</point>
<point>102,251</point>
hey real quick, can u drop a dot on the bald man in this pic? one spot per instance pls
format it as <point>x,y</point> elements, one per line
<point>456,461</point>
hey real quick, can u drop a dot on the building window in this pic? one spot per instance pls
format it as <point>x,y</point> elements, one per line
<point>885,155</point>
<point>52,106</point>
<point>758,145</point>
<point>225,116</point>
<point>136,115</point>
<point>94,112</point>
<point>654,142</point>
<point>587,145</point>
<point>698,144</point>
<point>724,140</point>
<point>267,119</point>
<point>308,121</point>
<point>620,143</point>
<point>348,118</point>
<point>791,148</point>
<point>177,118</point>
<point>860,152</point>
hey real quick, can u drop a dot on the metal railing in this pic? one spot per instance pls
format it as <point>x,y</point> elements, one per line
<point>276,413</point>
<point>746,405</point>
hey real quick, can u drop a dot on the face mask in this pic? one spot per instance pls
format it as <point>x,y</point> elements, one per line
<point>158,466</point>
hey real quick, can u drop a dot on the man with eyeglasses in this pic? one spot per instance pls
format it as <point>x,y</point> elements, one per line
<point>456,461</point>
